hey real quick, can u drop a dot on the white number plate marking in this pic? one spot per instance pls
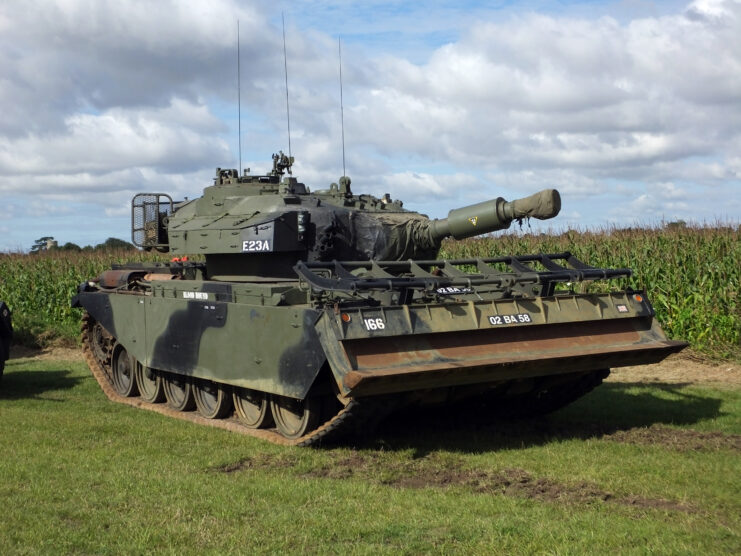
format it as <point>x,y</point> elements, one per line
<point>519,318</point>
<point>195,295</point>
<point>256,245</point>
<point>449,290</point>
<point>374,324</point>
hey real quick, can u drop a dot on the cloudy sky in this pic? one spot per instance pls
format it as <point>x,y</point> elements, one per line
<point>632,109</point>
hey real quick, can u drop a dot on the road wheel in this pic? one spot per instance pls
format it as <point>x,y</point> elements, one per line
<point>122,371</point>
<point>253,408</point>
<point>178,392</point>
<point>293,417</point>
<point>212,400</point>
<point>150,383</point>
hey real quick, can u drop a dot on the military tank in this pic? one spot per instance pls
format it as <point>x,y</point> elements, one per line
<point>308,315</point>
<point>6,335</point>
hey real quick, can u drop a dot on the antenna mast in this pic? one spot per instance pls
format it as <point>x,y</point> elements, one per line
<point>285,67</point>
<point>342,108</point>
<point>239,102</point>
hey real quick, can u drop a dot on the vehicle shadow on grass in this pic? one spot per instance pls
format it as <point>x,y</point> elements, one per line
<point>16,385</point>
<point>611,408</point>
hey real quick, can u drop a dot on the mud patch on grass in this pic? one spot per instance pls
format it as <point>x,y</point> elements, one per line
<point>687,366</point>
<point>260,461</point>
<point>434,472</point>
<point>683,440</point>
<point>53,352</point>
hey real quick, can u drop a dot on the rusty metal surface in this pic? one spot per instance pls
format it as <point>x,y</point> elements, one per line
<point>413,377</point>
<point>425,361</point>
<point>475,345</point>
<point>118,278</point>
<point>152,277</point>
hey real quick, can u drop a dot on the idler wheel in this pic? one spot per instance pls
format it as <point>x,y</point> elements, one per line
<point>150,383</point>
<point>212,400</point>
<point>179,393</point>
<point>293,417</point>
<point>122,370</point>
<point>100,342</point>
<point>253,408</point>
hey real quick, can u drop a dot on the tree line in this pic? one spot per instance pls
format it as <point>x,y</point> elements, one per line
<point>48,243</point>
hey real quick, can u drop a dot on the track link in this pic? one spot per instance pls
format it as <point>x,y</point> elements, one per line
<point>350,418</point>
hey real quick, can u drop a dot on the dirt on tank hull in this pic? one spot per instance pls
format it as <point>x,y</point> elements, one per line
<point>273,337</point>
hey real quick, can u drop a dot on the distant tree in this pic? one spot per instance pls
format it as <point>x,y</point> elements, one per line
<point>677,225</point>
<point>69,246</point>
<point>114,243</point>
<point>43,243</point>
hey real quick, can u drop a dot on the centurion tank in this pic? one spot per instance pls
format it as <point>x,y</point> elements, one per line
<point>305,315</point>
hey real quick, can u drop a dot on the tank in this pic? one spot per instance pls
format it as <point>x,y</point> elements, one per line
<point>305,316</point>
<point>6,335</point>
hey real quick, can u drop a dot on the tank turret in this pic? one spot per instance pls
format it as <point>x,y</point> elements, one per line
<point>250,227</point>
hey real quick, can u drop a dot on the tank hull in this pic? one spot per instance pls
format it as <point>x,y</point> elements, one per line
<point>184,328</point>
<point>273,340</point>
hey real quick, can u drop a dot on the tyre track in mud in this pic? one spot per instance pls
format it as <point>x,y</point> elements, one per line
<point>682,440</point>
<point>432,472</point>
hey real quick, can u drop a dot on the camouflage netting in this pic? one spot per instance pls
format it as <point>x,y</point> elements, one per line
<point>400,236</point>
<point>353,235</point>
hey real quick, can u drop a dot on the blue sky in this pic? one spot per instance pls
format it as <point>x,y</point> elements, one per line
<point>630,108</point>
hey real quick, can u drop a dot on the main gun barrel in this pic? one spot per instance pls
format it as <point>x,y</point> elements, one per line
<point>496,214</point>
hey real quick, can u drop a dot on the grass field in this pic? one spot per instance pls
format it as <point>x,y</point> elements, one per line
<point>631,468</point>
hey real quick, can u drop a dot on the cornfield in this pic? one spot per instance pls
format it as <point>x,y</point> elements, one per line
<point>38,289</point>
<point>692,276</point>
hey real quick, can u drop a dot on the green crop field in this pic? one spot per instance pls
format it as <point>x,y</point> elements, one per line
<point>38,289</point>
<point>692,276</point>
<point>632,468</point>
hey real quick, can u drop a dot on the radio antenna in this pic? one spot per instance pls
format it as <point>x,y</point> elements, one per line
<point>342,108</point>
<point>239,102</point>
<point>285,67</point>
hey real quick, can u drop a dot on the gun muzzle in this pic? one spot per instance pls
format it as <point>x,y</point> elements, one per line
<point>496,214</point>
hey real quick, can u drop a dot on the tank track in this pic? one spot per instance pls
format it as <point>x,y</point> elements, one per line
<point>553,399</point>
<point>543,398</point>
<point>353,417</point>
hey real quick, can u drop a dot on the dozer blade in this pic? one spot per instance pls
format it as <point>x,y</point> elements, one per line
<point>395,349</point>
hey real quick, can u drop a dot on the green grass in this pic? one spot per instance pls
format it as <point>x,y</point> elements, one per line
<point>81,474</point>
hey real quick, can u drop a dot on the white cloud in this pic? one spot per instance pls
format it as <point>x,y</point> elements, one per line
<point>668,191</point>
<point>622,114</point>
<point>424,188</point>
